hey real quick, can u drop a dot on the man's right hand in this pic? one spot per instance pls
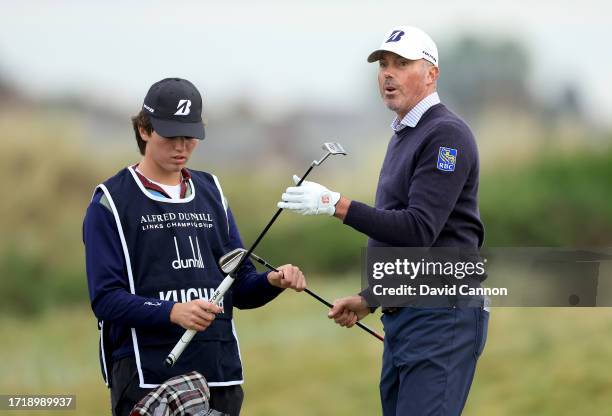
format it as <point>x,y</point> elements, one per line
<point>310,198</point>
<point>347,311</point>
<point>197,314</point>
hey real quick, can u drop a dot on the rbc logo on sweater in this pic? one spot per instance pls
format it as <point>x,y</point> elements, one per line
<point>447,158</point>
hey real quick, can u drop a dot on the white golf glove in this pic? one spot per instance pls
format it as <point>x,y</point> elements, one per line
<point>309,198</point>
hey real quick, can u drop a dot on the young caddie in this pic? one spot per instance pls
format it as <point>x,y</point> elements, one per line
<point>153,235</point>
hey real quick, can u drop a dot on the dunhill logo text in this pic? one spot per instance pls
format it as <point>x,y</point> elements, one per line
<point>195,262</point>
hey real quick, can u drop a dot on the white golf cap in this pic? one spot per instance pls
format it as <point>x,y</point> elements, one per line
<point>407,41</point>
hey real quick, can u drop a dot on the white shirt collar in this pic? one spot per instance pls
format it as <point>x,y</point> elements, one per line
<point>412,118</point>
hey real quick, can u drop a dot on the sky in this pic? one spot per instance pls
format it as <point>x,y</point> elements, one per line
<point>280,54</point>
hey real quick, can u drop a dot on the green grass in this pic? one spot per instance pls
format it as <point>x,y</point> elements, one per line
<point>537,361</point>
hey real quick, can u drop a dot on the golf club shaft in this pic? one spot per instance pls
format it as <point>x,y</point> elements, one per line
<point>190,333</point>
<point>272,220</point>
<point>317,297</point>
<point>310,292</point>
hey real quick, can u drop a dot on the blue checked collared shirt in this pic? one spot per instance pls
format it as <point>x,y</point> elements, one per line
<point>412,118</point>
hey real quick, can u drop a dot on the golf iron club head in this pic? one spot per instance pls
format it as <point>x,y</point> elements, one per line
<point>229,261</point>
<point>229,266</point>
<point>332,148</point>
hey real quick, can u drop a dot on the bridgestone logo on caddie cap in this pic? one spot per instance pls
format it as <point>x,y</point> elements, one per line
<point>183,108</point>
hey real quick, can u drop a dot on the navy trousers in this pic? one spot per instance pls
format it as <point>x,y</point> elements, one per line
<point>429,359</point>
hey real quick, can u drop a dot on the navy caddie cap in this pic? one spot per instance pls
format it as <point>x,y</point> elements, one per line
<point>174,106</point>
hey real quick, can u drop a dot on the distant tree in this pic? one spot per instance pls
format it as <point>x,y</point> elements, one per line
<point>7,91</point>
<point>570,102</point>
<point>476,74</point>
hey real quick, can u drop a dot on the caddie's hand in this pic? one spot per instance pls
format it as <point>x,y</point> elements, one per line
<point>309,198</point>
<point>347,311</point>
<point>288,277</point>
<point>197,314</point>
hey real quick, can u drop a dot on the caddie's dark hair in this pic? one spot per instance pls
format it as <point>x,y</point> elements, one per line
<point>141,120</point>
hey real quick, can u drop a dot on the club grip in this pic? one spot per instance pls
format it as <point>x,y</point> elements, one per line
<point>179,347</point>
<point>190,333</point>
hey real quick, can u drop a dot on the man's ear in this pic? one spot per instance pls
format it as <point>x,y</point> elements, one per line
<point>143,134</point>
<point>433,73</point>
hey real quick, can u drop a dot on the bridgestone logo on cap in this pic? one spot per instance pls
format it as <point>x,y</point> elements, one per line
<point>148,108</point>
<point>395,36</point>
<point>183,108</point>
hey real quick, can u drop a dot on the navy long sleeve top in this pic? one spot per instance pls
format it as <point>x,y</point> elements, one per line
<point>109,292</point>
<point>427,193</point>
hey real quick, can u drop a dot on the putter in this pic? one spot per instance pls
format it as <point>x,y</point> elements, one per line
<point>228,264</point>
<point>331,149</point>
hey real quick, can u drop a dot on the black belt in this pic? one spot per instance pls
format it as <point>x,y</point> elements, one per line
<point>389,311</point>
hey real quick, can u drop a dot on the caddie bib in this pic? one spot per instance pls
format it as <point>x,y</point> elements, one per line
<point>171,249</point>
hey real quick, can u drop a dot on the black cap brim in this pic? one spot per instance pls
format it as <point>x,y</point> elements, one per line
<point>172,128</point>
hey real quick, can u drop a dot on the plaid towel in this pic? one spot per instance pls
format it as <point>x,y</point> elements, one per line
<point>183,395</point>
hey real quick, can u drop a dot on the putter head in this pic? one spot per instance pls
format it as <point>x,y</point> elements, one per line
<point>229,261</point>
<point>334,148</point>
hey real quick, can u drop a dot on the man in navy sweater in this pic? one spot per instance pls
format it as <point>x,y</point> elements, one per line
<point>153,235</point>
<point>426,197</point>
